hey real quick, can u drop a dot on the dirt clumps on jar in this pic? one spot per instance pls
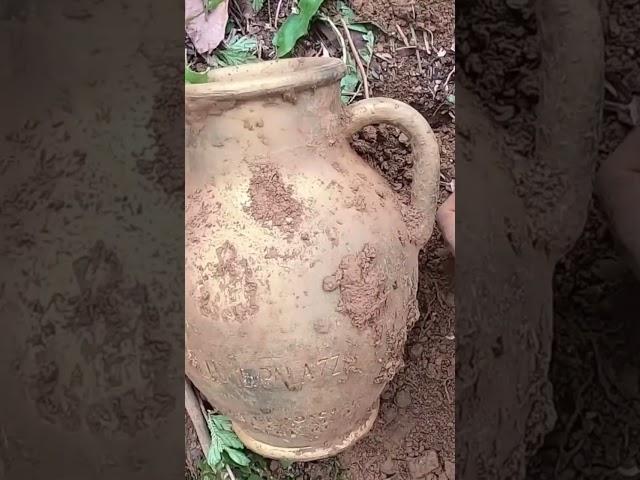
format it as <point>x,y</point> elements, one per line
<point>363,293</point>
<point>272,202</point>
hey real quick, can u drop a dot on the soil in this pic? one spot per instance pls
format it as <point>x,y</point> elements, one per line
<point>414,435</point>
<point>597,434</point>
<point>594,371</point>
<point>272,203</point>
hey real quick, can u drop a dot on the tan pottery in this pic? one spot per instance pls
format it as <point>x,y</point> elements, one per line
<point>301,263</point>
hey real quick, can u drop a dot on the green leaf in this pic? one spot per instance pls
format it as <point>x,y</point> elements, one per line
<point>211,4</point>
<point>238,50</point>
<point>257,5</point>
<point>238,457</point>
<point>346,12</point>
<point>229,439</point>
<point>191,76</point>
<point>214,455</point>
<point>358,27</point>
<point>451,99</point>
<point>350,18</point>
<point>350,82</point>
<point>254,476</point>
<point>295,27</point>
<point>218,422</point>
<point>367,52</point>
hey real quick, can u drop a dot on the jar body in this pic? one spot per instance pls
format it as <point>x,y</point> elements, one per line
<point>300,273</point>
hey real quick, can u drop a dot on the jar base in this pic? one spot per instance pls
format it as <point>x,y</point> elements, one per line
<point>307,454</point>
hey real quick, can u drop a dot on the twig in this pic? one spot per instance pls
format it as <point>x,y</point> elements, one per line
<point>414,40</point>
<point>192,407</point>
<point>356,55</point>
<point>339,35</point>
<point>230,472</point>
<point>426,42</point>
<point>449,77</point>
<point>402,35</point>
<point>269,11</point>
<point>275,20</point>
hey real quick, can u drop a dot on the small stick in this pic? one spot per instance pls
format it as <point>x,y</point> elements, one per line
<point>402,35</point>
<point>414,39</point>
<point>449,77</point>
<point>269,10</point>
<point>340,37</point>
<point>275,20</point>
<point>230,472</point>
<point>356,55</point>
<point>192,407</point>
<point>426,42</point>
<point>431,35</point>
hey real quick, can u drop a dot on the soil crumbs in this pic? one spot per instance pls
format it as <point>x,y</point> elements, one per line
<point>414,435</point>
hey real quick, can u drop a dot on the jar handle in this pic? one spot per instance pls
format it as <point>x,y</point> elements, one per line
<point>426,165</point>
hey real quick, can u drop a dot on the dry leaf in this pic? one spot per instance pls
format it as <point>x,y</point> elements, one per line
<point>206,30</point>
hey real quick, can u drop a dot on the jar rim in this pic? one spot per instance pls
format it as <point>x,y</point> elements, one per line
<point>269,77</point>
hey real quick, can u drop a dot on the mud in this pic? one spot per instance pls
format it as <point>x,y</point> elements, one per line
<point>238,302</point>
<point>362,287</point>
<point>200,214</point>
<point>272,202</point>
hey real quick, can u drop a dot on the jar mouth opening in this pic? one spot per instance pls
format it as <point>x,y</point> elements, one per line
<point>270,77</point>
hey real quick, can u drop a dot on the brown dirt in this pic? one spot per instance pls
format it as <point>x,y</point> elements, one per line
<point>272,202</point>
<point>597,434</point>
<point>414,436</point>
<point>362,291</point>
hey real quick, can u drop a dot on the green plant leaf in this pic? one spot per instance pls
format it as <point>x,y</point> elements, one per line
<point>214,455</point>
<point>211,4</point>
<point>229,439</point>
<point>367,52</point>
<point>350,82</point>
<point>220,422</point>
<point>257,5</point>
<point>346,12</point>
<point>295,27</point>
<point>350,18</point>
<point>238,457</point>
<point>451,99</point>
<point>238,50</point>
<point>191,76</point>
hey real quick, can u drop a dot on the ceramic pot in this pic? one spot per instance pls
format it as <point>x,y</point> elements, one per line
<point>301,262</point>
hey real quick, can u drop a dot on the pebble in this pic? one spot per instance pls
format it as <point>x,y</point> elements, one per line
<point>387,394</point>
<point>403,399</point>
<point>422,466</point>
<point>416,351</point>
<point>450,470</point>
<point>390,413</point>
<point>450,299</point>
<point>389,467</point>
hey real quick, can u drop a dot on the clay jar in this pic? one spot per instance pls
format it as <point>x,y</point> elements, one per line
<point>301,263</point>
